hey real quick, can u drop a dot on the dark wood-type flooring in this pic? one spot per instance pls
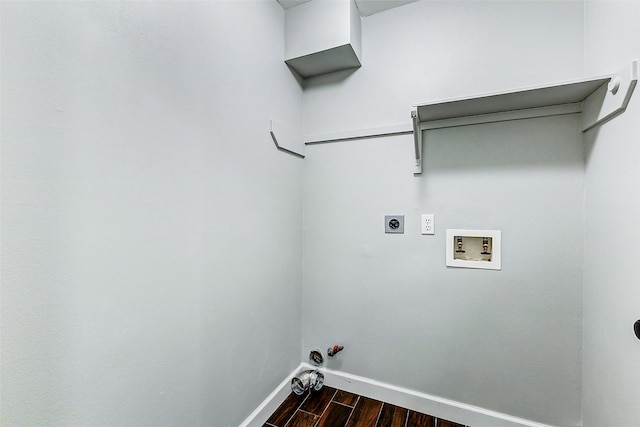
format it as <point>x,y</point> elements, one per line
<point>330,407</point>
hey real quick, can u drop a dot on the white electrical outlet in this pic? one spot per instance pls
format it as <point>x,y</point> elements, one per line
<point>427,225</point>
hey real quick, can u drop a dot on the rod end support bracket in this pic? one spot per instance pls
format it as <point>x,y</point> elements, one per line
<point>417,142</point>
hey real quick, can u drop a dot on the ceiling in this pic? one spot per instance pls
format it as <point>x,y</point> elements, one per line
<point>365,7</point>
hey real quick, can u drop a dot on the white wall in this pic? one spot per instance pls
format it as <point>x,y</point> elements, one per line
<point>511,340</point>
<point>150,229</point>
<point>150,271</point>
<point>430,50</point>
<point>612,276</point>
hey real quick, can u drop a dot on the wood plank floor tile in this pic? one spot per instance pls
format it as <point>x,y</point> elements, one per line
<point>392,416</point>
<point>365,413</point>
<point>416,419</point>
<point>336,415</point>
<point>286,410</point>
<point>302,419</point>
<point>345,398</point>
<point>318,400</point>
<point>337,408</point>
<point>446,423</point>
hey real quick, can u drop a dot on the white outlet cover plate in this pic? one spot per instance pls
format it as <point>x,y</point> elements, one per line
<point>496,249</point>
<point>427,224</point>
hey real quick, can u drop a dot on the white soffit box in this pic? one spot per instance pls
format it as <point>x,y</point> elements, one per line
<point>286,4</point>
<point>326,61</point>
<point>322,37</point>
<point>370,7</point>
<point>365,7</point>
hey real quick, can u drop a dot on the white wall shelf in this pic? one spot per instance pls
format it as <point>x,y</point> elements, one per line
<point>474,107</point>
<point>598,99</point>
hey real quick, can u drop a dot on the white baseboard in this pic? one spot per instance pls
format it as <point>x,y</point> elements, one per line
<point>416,401</point>
<point>271,403</point>
<point>439,407</point>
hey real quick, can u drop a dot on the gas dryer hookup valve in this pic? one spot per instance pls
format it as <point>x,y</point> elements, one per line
<point>335,349</point>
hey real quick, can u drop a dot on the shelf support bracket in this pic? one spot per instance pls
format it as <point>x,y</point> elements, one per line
<point>287,139</point>
<point>610,100</point>
<point>417,142</point>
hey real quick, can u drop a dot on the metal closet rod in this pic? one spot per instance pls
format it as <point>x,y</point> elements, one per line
<point>378,132</point>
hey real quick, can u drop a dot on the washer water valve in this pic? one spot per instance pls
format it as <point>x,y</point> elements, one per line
<point>335,349</point>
